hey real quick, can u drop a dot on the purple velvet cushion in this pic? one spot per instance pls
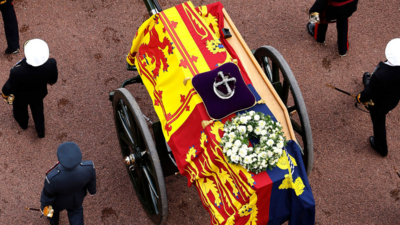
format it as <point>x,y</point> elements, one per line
<point>217,107</point>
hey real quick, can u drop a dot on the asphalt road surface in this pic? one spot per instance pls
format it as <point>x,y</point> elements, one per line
<point>90,38</point>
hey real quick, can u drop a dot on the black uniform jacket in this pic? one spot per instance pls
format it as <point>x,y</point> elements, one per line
<point>66,189</point>
<point>330,10</point>
<point>384,87</point>
<point>30,83</point>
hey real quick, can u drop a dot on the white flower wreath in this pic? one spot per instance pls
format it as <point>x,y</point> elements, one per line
<point>263,155</point>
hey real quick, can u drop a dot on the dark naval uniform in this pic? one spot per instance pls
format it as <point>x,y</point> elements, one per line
<point>67,184</point>
<point>383,89</point>
<point>10,25</point>
<point>331,11</point>
<point>29,86</point>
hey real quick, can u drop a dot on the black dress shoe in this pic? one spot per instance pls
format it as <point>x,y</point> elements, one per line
<point>311,28</point>
<point>372,143</point>
<point>366,78</point>
<point>23,127</point>
<point>8,52</point>
<point>41,134</point>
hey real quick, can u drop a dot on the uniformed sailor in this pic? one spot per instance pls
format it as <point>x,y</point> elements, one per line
<point>331,11</point>
<point>28,84</point>
<point>382,87</point>
<point>67,184</point>
<point>10,26</point>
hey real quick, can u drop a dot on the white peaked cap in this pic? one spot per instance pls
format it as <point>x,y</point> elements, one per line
<point>392,52</point>
<point>36,52</point>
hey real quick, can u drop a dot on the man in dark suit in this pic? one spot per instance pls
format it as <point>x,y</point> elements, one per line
<point>382,87</point>
<point>28,84</point>
<point>67,184</point>
<point>331,11</point>
<point>10,26</point>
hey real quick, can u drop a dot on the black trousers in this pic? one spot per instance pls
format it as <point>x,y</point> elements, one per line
<point>378,117</point>
<point>75,216</point>
<point>20,111</point>
<point>342,27</point>
<point>10,25</point>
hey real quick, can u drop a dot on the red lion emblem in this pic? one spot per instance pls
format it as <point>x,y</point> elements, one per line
<point>153,50</point>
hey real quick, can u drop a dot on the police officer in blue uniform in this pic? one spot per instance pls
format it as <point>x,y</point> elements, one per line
<point>10,26</point>
<point>382,87</point>
<point>67,184</point>
<point>28,84</point>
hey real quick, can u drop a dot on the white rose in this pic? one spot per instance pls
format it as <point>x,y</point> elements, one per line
<point>230,140</point>
<point>249,128</point>
<point>242,129</point>
<point>248,118</point>
<point>256,117</point>
<point>243,120</point>
<point>236,158</point>
<point>273,136</point>
<point>262,123</point>
<point>257,151</point>
<point>229,153</point>
<point>264,132</point>
<point>279,145</point>
<point>243,152</point>
<point>270,142</point>
<point>228,145</point>
<point>231,135</point>
<point>247,160</point>
<point>263,154</point>
<point>238,143</point>
<point>250,149</point>
<point>257,130</point>
<point>270,154</point>
<point>235,149</point>
<point>278,150</point>
<point>252,112</point>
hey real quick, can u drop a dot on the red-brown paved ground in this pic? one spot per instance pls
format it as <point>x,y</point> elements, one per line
<point>90,38</point>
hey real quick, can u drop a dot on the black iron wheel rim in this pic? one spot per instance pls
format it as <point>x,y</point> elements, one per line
<point>280,75</point>
<point>135,139</point>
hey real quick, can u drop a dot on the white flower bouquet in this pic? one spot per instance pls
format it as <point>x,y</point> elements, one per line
<point>265,154</point>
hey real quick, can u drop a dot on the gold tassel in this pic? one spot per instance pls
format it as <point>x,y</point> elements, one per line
<point>261,102</point>
<point>205,123</point>
<point>186,80</point>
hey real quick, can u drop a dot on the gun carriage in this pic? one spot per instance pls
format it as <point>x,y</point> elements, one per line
<point>146,154</point>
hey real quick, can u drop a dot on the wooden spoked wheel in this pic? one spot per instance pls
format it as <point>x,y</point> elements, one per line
<point>281,76</point>
<point>140,156</point>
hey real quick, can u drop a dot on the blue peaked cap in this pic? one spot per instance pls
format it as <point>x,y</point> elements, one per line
<point>69,155</point>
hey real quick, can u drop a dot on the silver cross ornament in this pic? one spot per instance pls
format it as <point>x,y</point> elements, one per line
<point>225,81</point>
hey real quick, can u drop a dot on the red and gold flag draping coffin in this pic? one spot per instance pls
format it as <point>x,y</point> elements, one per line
<point>179,43</point>
<point>169,47</point>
